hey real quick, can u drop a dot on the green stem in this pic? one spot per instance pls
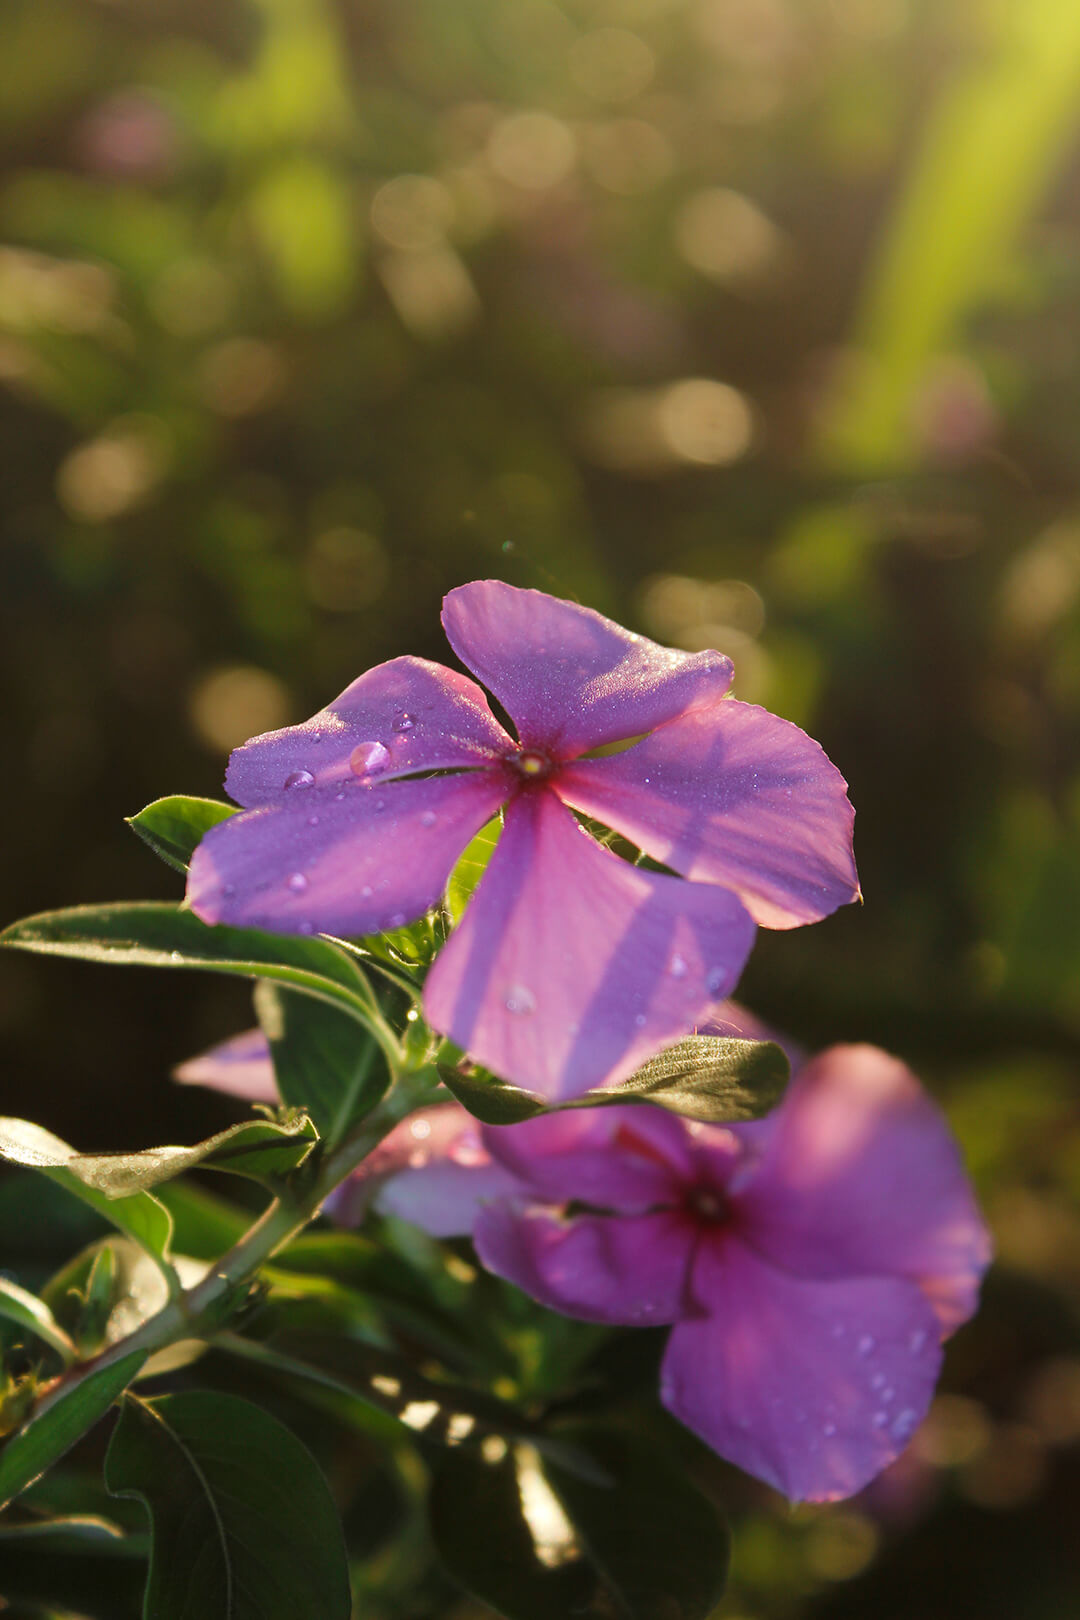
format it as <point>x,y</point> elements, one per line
<point>199,1311</point>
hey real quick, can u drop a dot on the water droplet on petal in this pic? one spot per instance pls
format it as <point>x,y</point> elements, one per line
<point>418,1159</point>
<point>865,1344</point>
<point>640,1020</point>
<point>677,967</point>
<point>880,1419</point>
<point>366,891</point>
<point>229,890</point>
<point>307,928</point>
<point>299,779</point>
<point>905,1423</point>
<point>467,1151</point>
<point>404,722</point>
<point>878,1380</point>
<point>519,999</point>
<point>428,819</point>
<point>297,882</point>
<point>829,1430</point>
<point>420,1128</point>
<point>716,981</point>
<point>917,1341</point>
<point>368,757</point>
<point>888,1393</point>
<point>313,821</point>
<point>380,804</point>
<point>397,920</point>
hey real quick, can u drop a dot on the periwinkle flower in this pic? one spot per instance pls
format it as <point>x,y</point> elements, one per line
<point>571,966</point>
<point>810,1264</point>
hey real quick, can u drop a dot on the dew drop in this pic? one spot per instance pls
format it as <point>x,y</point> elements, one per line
<point>519,999</point>
<point>467,1151</point>
<point>640,1020</point>
<point>428,819</point>
<point>418,1159</point>
<point>297,882</point>
<point>397,920</point>
<point>677,967</point>
<point>313,821</point>
<point>880,1419</point>
<point>380,804</point>
<point>368,757</point>
<point>829,1430</point>
<point>307,928</point>
<point>865,1344</point>
<point>878,1381</point>
<point>716,981</point>
<point>420,1128</point>
<point>411,1016</point>
<point>888,1393</point>
<point>905,1423</point>
<point>366,891</point>
<point>404,722</point>
<point>229,890</point>
<point>299,779</point>
<point>338,797</point>
<point>917,1341</point>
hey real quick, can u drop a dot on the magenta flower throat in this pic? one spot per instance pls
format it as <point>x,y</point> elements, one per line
<point>571,966</point>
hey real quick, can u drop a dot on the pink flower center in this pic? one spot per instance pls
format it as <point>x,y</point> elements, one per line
<point>531,764</point>
<point>708,1205</point>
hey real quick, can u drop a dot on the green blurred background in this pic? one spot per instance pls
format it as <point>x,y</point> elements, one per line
<point>753,323</point>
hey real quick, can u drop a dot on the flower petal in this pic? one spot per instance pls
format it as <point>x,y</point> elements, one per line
<point>629,1268</point>
<point>731,794</point>
<point>432,1170</point>
<point>408,714</point>
<point>861,1175</point>
<point>620,1158</point>
<point>357,861</point>
<point>811,1386</point>
<point>241,1067</point>
<point>572,967</point>
<point>569,678</point>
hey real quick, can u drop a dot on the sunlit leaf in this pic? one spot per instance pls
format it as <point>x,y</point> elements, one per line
<point>323,1061</point>
<point>173,827</point>
<point>31,1313</point>
<point>52,1432</point>
<point>707,1077</point>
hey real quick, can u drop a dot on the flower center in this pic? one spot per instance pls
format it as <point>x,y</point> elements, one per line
<point>708,1205</point>
<point>531,764</point>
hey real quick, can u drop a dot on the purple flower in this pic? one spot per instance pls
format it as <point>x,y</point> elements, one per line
<point>571,966</point>
<point>810,1263</point>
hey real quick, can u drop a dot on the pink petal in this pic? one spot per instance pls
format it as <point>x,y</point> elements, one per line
<point>407,715</point>
<point>241,1066</point>
<point>630,1269</point>
<point>731,794</point>
<point>626,1158</point>
<point>572,967</point>
<point>569,678</point>
<point>432,1170</point>
<point>358,861</point>
<point>862,1175</point>
<point>811,1386</point>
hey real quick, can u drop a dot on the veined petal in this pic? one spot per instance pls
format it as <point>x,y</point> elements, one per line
<point>432,1170</point>
<point>356,861</point>
<point>569,678</point>
<point>862,1175</point>
<point>241,1067</point>
<point>572,967</point>
<point>404,716</point>
<point>630,1269</point>
<point>731,794</point>
<point>619,1158</point>
<point>811,1386</point>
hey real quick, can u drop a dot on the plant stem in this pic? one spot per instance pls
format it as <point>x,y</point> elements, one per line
<point>198,1311</point>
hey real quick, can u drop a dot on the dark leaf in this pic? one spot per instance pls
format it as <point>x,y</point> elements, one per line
<point>175,826</point>
<point>52,1432</point>
<point>244,1526</point>
<point>493,1101</point>
<point>324,1062</point>
<point>538,1542</point>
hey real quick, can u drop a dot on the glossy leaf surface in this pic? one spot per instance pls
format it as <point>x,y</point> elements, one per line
<point>174,826</point>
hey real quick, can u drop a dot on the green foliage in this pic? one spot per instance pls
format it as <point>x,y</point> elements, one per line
<point>173,827</point>
<point>243,1522</point>
<point>470,868</point>
<point>322,1061</point>
<point>538,1542</point>
<point>55,1430</point>
<point>26,1311</point>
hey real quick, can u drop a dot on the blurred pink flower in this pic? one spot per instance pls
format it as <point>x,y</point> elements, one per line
<point>571,966</point>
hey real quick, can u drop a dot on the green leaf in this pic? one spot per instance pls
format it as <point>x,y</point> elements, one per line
<point>470,868</point>
<point>148,933</point>
<point>489,1099</point>
<point>138,1214</point>
<point>174,827</point>
<point>55,1430</point>
<point>33,1314</point>
<point>70,1531</point>
<point>323,1061</point>
<point>708,1077</point>
<point>243,1522</point>
<point>537,1542</point>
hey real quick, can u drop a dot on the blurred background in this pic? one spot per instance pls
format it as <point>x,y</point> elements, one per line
<point>752,323</point>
